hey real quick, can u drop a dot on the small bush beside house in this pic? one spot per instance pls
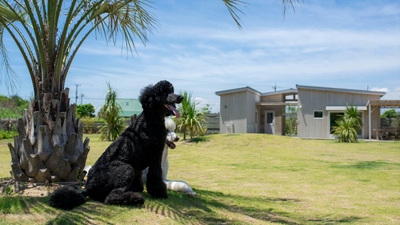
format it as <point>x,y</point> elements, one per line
<point>348,125</point>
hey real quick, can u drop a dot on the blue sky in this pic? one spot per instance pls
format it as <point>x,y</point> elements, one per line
<point>198,47</point>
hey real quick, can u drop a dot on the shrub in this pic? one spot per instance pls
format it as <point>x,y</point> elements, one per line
<point>348,125</point>
<point>7,134</point>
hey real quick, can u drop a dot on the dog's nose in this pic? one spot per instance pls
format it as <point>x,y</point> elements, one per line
<point>177,138</point>
<point>180,98</point>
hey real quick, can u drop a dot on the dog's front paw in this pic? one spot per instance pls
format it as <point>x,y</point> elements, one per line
<point>159,195</point>
<point>157,191</point>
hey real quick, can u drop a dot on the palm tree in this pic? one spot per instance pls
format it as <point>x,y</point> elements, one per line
<point>48,34</point>
<point>110,112</point>
<point>191,119</point>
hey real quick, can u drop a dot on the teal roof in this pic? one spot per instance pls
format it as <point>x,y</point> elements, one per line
<point>129,106</point>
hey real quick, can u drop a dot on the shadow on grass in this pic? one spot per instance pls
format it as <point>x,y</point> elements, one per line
<point>369,165</point>
<point>89,213</point>
<point>208,207</point>
<point>198,139</point>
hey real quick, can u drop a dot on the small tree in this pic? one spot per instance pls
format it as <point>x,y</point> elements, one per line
<point>85,110</point>
<point>110,113</point>
<point>391,113</point>
<point>391,118</point>
<point>348,125</point>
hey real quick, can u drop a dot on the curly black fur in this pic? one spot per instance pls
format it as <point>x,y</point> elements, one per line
<point>116,176</point>
<point>66,198</point>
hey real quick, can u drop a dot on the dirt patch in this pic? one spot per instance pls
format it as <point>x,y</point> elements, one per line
<point>9,186</point>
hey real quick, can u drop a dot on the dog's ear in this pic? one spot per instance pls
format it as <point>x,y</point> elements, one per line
<point>146,97</point>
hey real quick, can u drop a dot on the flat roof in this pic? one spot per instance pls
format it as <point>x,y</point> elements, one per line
<point>295,91</point>
<point>287,92</point>
<point>276,103</point>
<point>343,108</point>
<point>365,92</point>
<point>230,91</point>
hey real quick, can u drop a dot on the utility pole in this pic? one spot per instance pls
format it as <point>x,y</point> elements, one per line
<point>274,87</point>
<point>82,95</point>
<point>76,93</point>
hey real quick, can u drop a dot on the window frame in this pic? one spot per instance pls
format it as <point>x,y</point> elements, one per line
<point>318,118</point>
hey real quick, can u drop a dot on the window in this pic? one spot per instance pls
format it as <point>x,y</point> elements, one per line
<point>334,117</point>
<point>318,114</point>
<point>270,117</point>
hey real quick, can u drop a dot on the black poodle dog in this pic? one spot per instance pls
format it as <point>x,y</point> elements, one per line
<point>116,176</point>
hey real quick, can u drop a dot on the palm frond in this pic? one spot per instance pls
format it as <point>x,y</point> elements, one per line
<point>289,3</point>
<point>5,66</point>
<point>129,18</point>
<point>7,17</point>
<point>192,119</point>
<point>232,6</point>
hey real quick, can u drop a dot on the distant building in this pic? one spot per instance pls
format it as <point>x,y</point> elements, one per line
<point>246,110</point>
<point>129,106</point>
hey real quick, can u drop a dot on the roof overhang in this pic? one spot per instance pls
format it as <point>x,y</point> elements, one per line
<point>290,91</point>
<point>343,108</point>
<point>237,90</point>
<point>353,91</point>
<point>385,103</point>
<point>276,103</point>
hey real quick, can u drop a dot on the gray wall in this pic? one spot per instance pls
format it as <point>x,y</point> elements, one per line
<point>237,112</point>
<point>311,100</point>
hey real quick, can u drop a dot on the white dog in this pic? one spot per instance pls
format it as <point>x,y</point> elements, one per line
<point>173,185</point>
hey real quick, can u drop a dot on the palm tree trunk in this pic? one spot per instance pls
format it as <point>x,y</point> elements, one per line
<point>184,133</point>
<point>108,132</point>
<point>49,146</point>
<point>191,130</point>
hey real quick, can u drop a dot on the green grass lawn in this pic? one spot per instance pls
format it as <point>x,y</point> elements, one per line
<point>247,179</point>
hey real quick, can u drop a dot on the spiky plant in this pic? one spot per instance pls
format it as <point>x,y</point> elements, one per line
<point>348,125</point>
<point>110,112</point>
<point>192,119</point>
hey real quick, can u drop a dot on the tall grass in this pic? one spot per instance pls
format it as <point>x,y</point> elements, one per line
<point>248,179</point>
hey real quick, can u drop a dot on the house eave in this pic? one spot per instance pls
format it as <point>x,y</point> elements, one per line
<point>237,90</point>
<point>343,108</point>
<point>286,92</point>
<point>364,92</point>
<point>276,103</point>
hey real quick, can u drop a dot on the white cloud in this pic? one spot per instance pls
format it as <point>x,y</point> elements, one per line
<point>379,89</point>
<point>392,94</point>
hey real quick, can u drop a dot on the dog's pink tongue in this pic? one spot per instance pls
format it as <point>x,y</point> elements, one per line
<point>175,111</point>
